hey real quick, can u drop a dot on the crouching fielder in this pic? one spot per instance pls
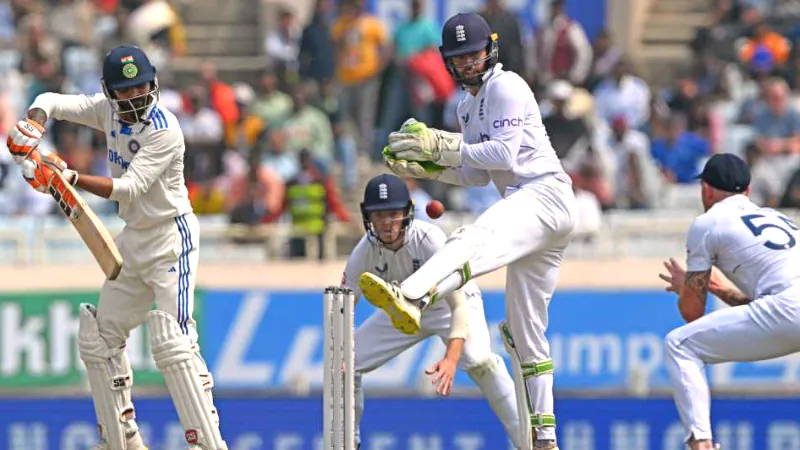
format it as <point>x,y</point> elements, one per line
<point>159,245</point>
<point>393,248</point>
<point>756,248</point>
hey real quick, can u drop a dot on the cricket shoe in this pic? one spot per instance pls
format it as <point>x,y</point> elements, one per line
<point>387,296</point>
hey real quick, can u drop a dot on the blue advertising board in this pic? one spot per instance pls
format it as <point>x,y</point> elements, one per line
<point>409,424</point>
<point>531,13</point>
<point>600,340</point>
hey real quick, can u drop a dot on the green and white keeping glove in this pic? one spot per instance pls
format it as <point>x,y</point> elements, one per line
<point>416,142</point>
<point>425,170</point>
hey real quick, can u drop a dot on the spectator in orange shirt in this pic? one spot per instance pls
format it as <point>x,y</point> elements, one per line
<point>764,39</point>
<point>223,98</point>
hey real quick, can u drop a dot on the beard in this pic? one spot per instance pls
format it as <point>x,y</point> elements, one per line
<point>133,110</point>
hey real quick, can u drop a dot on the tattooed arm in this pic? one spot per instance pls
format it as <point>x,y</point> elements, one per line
<point>692,298</point>
<point>725,292</point>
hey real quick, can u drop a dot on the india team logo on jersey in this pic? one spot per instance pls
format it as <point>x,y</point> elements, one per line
<point>416,264</point>
<point>134,146</point>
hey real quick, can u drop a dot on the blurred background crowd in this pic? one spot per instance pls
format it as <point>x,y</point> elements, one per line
<point>295,139</point>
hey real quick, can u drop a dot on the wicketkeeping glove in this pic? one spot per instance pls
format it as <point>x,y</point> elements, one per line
<point>412,169</point>
<point>416,142</point>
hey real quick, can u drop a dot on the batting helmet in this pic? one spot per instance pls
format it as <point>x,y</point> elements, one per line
<point>124,67</point>
<point>386,192</point>
<point>467,33</point>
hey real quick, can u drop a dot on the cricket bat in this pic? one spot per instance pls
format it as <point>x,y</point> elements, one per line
<point>94,234</point>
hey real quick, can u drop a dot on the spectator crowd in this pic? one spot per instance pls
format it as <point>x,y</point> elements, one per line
<point>333,88</point>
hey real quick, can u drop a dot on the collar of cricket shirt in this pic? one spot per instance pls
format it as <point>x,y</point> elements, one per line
<point>495,71</point>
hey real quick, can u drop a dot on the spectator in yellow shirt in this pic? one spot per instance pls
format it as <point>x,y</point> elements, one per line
<point>361,42</point>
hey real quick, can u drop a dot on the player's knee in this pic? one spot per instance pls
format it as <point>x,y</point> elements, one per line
<point>484,367</point>
<point>113,329</point>
<point>673,343</point>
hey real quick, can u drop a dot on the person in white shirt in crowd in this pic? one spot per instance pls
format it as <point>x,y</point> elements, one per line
<point>623,93</point>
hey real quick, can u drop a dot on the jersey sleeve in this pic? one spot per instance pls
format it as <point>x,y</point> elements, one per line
<point>699,254</point>
<point>465,176</point>
<point>82,109</point>
<point>150,162</point>
<point>355,267</point>
<point>506,100</point>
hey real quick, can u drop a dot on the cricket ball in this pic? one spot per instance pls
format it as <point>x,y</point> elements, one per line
<point>435,209</point>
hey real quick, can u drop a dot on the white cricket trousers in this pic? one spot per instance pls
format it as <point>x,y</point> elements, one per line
<point>767,328</point>
<point>377,341</point>
<point>527,232</point>
<point>160,265</point>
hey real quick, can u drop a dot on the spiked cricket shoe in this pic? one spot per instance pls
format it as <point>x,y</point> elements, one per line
<point>387,296</point>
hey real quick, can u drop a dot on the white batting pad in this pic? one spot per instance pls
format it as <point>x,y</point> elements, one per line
<point>110,378</point>
<point>188,381</point>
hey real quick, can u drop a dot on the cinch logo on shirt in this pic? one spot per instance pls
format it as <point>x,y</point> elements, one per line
<point>513,122</point>
<point>116,158</point>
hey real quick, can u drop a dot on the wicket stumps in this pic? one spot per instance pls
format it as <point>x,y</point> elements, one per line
<point>339,409</point>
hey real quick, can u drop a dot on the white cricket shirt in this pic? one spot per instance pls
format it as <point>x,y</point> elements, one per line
<point>503,134</point>
<point>145,159</point>
<point>756,248</point>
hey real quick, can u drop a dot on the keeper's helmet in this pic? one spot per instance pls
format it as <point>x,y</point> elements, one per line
<point>463,34</point>
<point>386,192</point>
<point>124,67</point>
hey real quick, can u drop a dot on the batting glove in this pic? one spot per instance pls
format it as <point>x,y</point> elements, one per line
<point>23,139</point>
<point>416,142</point>
<point>39,167</point>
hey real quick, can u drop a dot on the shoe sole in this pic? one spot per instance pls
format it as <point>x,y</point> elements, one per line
<point>376,293</point>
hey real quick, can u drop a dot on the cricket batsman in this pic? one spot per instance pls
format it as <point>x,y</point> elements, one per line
<point>394,246</point>
<point>159,246</point>
<point>502,139</point>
